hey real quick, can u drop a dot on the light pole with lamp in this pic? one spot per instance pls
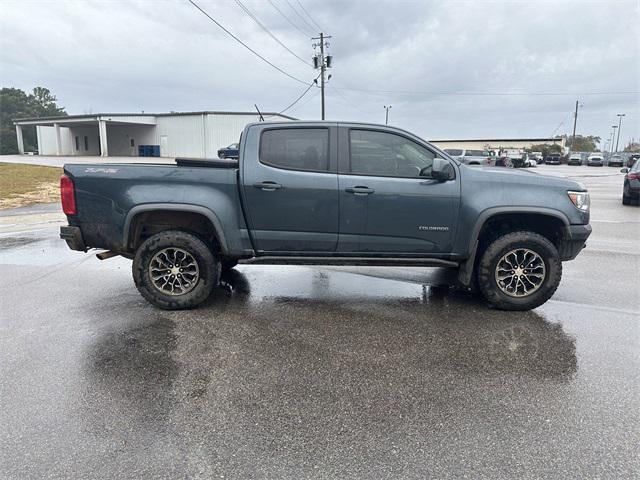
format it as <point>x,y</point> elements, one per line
<point>620,115</point>
<point>386,117</point>
<point>612,140</point>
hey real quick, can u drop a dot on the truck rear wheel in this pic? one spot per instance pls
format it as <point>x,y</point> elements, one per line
<point>519,271</point>
<point>175,270</point>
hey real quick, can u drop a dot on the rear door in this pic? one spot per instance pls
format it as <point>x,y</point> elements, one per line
<point>389,204</point>
<point>290,186</point>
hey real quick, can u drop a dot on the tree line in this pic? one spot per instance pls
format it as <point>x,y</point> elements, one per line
<point>16,103</point>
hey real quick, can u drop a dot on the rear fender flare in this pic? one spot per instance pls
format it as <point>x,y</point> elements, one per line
<point>178,207</point>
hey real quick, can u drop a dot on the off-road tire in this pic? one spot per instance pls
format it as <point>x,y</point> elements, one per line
<point>208,266</point>
<point>486,269</point>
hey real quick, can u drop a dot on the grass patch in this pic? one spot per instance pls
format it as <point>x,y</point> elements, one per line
<point>27,184</point>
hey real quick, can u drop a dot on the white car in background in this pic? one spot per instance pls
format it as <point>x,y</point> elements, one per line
<point>575,159</point>
<point>595,160</point>
<point>537,156</point>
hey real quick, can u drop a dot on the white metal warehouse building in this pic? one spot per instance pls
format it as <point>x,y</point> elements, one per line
<point>188,134</point>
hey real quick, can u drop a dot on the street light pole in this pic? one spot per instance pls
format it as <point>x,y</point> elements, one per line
<point>386,117</point>
<point>612,139</point>
<point>620,115</point>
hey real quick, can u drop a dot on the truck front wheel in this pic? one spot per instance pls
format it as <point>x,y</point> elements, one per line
<point>175,270</point>
<point>519,271</point>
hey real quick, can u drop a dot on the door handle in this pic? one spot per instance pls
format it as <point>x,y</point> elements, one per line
<point>359,190</point>
<point>267,186</point>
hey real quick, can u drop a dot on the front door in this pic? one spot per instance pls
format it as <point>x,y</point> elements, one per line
<point>291,190</point>
<point>388,201</point>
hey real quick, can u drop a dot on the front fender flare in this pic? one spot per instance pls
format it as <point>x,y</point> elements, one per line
<point>466,268</point>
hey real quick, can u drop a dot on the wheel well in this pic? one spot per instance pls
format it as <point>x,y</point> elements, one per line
<point>146,224</point>
<point>546,225</point>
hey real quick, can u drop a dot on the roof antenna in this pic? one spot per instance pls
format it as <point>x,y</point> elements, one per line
<point>261,117</point>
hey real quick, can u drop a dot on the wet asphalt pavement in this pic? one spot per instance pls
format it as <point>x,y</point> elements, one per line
<point>308,372</point>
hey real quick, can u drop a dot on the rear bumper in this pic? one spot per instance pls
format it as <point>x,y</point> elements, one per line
<point>73,237</point>
<point>574,241</point>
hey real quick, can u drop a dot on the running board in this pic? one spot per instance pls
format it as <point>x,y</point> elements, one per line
<point>357,261</point>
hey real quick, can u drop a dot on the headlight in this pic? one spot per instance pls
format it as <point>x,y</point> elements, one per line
<point>580,200</point>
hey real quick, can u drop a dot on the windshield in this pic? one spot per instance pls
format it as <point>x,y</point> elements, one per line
<point>475,153</point>
<point>454,152</point>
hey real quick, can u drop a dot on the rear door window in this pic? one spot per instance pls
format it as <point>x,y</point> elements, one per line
<point>296,148</point>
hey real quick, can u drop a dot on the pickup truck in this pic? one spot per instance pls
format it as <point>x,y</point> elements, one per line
<point>471,157</point>
<point>327,193</point>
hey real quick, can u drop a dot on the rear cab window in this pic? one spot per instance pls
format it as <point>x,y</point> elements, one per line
<point>296,148</point>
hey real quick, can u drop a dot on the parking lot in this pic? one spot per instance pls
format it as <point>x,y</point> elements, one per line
<point>314,372</point>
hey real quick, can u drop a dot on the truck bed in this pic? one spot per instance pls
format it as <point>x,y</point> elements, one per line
<point>108,196</point>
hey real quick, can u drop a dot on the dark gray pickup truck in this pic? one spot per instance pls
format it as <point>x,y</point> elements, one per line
<point>327,193</point>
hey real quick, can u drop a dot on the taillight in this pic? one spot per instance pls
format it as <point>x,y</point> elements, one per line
<point>67,195</point>
<point>633,176</point>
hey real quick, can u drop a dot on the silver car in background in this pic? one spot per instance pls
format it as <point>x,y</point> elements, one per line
<point>471,157</point>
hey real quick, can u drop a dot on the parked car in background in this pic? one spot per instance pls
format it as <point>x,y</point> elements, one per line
<point>595,160</point>
<point>537,156</point>
<point>632,159</point>
<point>518,158</point>
<point>631,186</point>
<point>616,161</point>
<point>575,159</point>
<point>229,152</point>
<point>552,159</point>
<point>471,157</point>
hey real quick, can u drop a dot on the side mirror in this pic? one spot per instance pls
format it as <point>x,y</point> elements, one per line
<point>624,170</point>
<point>442,170</point>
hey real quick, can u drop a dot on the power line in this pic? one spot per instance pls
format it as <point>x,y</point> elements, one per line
<point>310,17</point>
<point>348,101</point>
<point>297,99</point>
<point>311,97</point>
<point>244,44</point>
<point>561,123</point>
<point>289,20</point>
<point>488,94</point>
<point>255,19</point>
<point>300,16</point>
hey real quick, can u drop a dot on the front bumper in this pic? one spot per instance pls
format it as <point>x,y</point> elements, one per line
<point>73,237</point>
<point>573,241</point>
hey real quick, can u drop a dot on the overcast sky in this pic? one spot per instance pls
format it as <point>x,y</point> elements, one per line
<point>444,66</point>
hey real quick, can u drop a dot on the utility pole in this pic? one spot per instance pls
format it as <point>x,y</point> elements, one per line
<point>575,121</point>
<point>613,137</point>
<point>620,115</point>
<point>322,62</point>
<point>386,117</point>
